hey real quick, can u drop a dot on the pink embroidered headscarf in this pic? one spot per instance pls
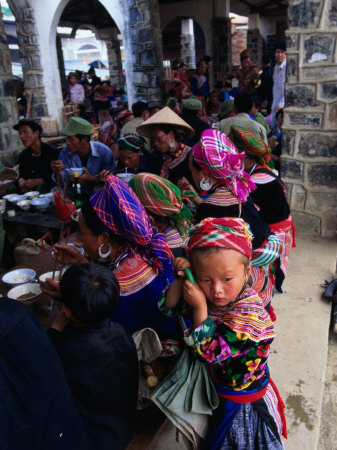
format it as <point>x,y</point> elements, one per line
<point>216,154</point>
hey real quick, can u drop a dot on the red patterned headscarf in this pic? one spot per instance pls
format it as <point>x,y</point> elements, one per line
<point>229,232</point>
<point>119,209</point>
<point>216,154</point>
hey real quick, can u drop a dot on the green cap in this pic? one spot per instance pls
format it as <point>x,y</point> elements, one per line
<point>192,104</point>
<point>226,107</point>
<point>76,125</point>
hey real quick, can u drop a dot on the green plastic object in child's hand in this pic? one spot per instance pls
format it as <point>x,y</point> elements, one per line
<point>189,275</point>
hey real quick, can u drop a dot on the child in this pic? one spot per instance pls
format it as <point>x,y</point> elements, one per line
<point>232,332</point>
<point>99,356</point>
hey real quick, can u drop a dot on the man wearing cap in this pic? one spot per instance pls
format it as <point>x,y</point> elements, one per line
<point>279,77</point>
<point>154,107</point>
<point>81,152</point>
<point>227,109</point>
<point>141,113</point>
<point>190,113</point>
<point>35,171</point>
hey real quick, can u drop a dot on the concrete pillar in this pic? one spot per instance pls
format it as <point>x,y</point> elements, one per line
<point>309,159</point>
<point>143,43</point>
<point>28,42</point>
<point>60,60</point>
<point>187,43</point>
<point>115,62</point>
<point>222,40</point>
<point>255,41</point>
<point>9,142</point>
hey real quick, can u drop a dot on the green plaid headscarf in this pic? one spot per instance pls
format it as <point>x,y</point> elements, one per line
<point>163,198</point>
<point>131,141</point>
<point>247,142</point>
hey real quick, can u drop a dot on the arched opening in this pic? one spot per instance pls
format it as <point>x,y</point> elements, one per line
<point>172,42</point>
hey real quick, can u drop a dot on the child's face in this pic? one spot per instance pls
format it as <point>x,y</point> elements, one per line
<point>220,275</point>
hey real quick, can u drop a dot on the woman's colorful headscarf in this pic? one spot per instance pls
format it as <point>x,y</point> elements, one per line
<point>119,209</point>
<point>246,54</point>
<point>131,141</point>
<point>163,198</point>
<point>216,154</point>
<point>228,232</point>
<point>247,142</point>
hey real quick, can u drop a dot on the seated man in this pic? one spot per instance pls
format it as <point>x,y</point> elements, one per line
<point>99,356</point>
<point>35,171</point>
<point>243,104</point>
<point>81,152</point>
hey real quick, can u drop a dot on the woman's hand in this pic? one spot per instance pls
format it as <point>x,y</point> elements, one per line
<point>51,288</point>
<point>185,185</point>
<point>67,254</point>
<point>86,177</point>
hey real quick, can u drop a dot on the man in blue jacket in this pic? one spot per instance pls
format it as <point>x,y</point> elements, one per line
<point>81,152</point>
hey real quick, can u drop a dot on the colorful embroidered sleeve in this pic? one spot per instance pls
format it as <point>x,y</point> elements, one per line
<point>180,308</point>
<point>235,360</point>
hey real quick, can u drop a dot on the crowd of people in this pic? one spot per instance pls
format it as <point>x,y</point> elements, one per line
<point>200,229</point>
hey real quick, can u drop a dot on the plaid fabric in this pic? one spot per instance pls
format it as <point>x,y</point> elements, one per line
<point>121,211</point>
<point>268,252</point>
<point>131,141</point>
<point>247,142</point>
<point>228,232</point>
<point>216,154</point>
<point>163,198</point>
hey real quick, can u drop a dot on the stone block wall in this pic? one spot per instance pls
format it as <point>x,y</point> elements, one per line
<point>9,140</point>
<point>255,43</point>
<point>115,63</point>
<point>222,48</point>
<point>309,159</point>
<point>28,41</point>
<point>146,49</point>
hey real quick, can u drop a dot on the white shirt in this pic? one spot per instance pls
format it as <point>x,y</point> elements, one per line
<point>279,78</point>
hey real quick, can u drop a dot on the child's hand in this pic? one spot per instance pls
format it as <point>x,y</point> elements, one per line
<point>179,265</point>
<point>60,322</point>
<point>193,295</point>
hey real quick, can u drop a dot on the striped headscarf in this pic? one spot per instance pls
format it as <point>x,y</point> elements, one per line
<point>131,141</point>
<point>216,154</point>
<point>163,198</point>
<point>247,142</point>
<point>121,211</point>
<point>228,232</point>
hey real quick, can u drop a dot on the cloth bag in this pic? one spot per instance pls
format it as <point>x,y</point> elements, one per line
<point>187,397</point>
<point>27,248</point>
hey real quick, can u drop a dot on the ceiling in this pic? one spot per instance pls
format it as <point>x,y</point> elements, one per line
<point>83,12</point>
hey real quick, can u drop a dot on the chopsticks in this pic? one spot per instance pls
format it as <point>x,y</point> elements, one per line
<point>60,235</point>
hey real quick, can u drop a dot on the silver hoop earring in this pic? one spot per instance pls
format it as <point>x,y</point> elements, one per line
<point>104,255</point>
<point>205,185</point>
<point>171,143</point>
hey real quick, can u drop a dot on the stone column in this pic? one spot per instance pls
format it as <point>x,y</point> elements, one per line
<point>187,43</point>
<point>222,40</point>
<point>255,41</point>
<point>28,41</point>
<point>9,141</point>
<point>309,160</point>
<point>143,44</point>
<point>115,62</point>
<point>60,60</point>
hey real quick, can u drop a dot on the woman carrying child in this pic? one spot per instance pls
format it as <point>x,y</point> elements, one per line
<point>232,332</point>
<point>217,170</point>
<point>269,195</point>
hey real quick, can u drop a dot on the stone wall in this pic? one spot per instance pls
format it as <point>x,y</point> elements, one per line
<point>115,62</point>
<point>146,49</point>
<point>9,142</point>
<point>239,43</point>
<point>222,48</point>
<point>309,159</point>
<point>28,41</point>
<point>255,43</point>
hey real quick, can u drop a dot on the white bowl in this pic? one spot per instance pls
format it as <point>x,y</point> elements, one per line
<point>18,276</point>
<point>2,209</point>
<point>41,204</point>
<point>24,205</point>
<point>14,198</point>
<point>9,196</point>
<point>46,275</point>
<point>32,194</point>
<point>79,170</point>
<point>125,176</point>
<point>16,292</point>
<point>48,195</point>
<point>80,249</point>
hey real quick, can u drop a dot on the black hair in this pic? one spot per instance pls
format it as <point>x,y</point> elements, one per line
<point>207,59</point>
<point>207,250</point>
<point>219,85</point>
<point>166,128</point>
<point>34,126</point>
<point>83,136</point>
<point>281,46</point>
<point>94,223</point>
<point>279,113</point>
<point>195,164</point>
<point>243,102</point>
<point>138,108</point>
<point>199,63</point>
<point>90,291</point>
<point>256,100</point>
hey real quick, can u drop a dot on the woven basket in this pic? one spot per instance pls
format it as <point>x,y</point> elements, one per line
<point>7,174</point>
